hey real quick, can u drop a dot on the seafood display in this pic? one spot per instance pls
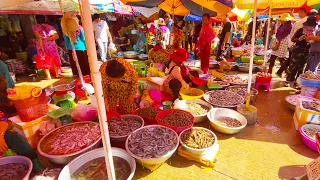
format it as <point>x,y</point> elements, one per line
<point>122,127</point>
<point>236,79</point>
<point>96,169</point>
<point>13,171</point>
<point>311,105</point>
<point>293,99</point>
<point>223,98</point>
<point>242,91</point>
<point>197,109</point>
<point>148,111</point>
<point>177,118</point>
<point>152,142</point>
<point>311,132</point>
<point>228,121</point>
<point>70,138</point>
<point>197,138</point>
<point>221,83</point>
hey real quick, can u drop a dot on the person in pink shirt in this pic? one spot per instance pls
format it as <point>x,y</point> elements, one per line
<point>206,36</point>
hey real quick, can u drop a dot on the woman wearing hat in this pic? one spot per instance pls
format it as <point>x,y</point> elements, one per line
<point>300,53</point>
<point>280,46</point>
<point>174,81</point>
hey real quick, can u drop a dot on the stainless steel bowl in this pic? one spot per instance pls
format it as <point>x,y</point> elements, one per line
<point>236,89</point>
<point>74,165</point>
<point>123,138</point>
<point>202,117</point>
<point>65,159</point>
<point>18,159</point>
<point>130,54</point>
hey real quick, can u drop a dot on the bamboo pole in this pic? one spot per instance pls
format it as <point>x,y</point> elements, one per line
<point>253,39</point>
<point>96,77</point>
<point>268,34</point>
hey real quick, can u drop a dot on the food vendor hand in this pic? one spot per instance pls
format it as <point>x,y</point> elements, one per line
<point>3,144</point>
<point>222,47</point>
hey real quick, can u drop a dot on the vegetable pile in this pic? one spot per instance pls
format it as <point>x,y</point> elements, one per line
<point>197,138</point>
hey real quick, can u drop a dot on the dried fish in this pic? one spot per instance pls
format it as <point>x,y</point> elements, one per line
<point>197,138</point>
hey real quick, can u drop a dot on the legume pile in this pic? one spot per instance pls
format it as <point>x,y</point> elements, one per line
<point>224,98</point>
<point>197,109</point>
<point>148,111</point>
<point>228,121</point>
<point>177,118</point>
<point>197,138</point>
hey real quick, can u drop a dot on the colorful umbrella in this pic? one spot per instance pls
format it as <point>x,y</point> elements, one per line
<point>174,7</point>
<point>222,7</point>
<point>276,4</point>
<point>193,17</point>
<point>314,4</point>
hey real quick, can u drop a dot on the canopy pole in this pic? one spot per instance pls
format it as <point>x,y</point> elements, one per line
<point>253,40</point>
<point>96,78</point>
<point>268,34</point>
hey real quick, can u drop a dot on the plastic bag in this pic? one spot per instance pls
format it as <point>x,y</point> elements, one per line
<point>180,105</point>
<point>112,47</point>
<point>84,113</point>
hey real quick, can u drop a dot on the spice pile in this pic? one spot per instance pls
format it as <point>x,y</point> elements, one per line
<point>96,169</point>
<point>13,171</point>
<point>311,105</point>
<point>123,126</point>
<point>197,109</point>
<point>148,111</point>
<point>177,118</point>
<point>228,121</point>
<point>224,98</point>
<point>197,138</point>
<point>70,139</point>
<point>311,132</point>
<point>152,142</point>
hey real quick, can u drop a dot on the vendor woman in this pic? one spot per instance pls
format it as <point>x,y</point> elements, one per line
<point>13,140</point>
<point>120,84</point>
<point>174,81</point>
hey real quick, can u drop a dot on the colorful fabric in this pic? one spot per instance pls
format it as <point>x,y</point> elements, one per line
<point>50,47</point>
<point>178,36</point>
<point>174,72</point>
<point>282,51</point>
<point>205,59</point>
<point>284,30</point>
<point>207,34</point>
<point>119,93</point>
<point>80,44</point>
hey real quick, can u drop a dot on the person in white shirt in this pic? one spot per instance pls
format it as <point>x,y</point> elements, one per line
<point>101,35</point>
<point>297,25</point>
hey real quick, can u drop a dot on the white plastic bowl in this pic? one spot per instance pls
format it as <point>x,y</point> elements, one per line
<point>153,161</point>
<point>18,159</point>
<point>198,151</point>
<point>75,164</point>
<point>202,117</point>
<point>123,138</point>
<point>218,112</point>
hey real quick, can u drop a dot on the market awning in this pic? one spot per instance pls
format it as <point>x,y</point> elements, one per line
<point>222,7</point>
<point>192,17</point>
<point>147,12</point>
<point>174,7</point>
<point>197,9</point>
<point>276,4</point>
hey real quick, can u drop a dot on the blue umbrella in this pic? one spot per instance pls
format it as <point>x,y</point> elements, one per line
<point>192,17</point>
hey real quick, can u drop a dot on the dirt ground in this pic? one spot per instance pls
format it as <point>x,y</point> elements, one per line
<point>271,149</point>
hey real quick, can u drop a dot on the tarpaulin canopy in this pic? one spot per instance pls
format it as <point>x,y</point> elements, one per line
<point>197,9</point>
<point>193,17</point>
<point>147,12</point>
<point>174,7</point>
<point>222,7</point>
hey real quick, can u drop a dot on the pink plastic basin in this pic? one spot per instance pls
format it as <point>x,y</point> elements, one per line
<point>310,143</point>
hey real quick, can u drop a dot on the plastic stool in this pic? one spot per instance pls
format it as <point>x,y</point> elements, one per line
<point>263,84</point>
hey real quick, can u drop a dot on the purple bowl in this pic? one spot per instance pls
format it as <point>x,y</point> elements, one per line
<point>310,143</point>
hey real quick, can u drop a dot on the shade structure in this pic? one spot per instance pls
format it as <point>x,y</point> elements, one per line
<point>174,7</point>
<point>314,4</point>
<point>276,4</point>
<point>197,9</point>
<point>193,17</point>
<point>222,7</point>
<point>52,7</point>
<point>147,12</point>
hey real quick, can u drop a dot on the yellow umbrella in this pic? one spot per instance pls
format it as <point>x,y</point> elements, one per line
<point>174,7</point>
<point>215,5</point>
<point>313,2</point>
<point>276,4</point>
<point>126,1</point>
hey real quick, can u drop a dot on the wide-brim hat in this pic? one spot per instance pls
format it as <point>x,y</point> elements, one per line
<point>311,21</point>
<point>160,21</point>
<point>179,55</point>
<point>286,17</point>
<point>69,25</point>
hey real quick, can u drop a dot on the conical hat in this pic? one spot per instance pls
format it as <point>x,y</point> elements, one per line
<point>69,25</point>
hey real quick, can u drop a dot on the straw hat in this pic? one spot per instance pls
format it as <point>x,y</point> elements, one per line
<point>69,25</point>
<point>179,55</point>
<point>285,17</point>
<point>160,21</point>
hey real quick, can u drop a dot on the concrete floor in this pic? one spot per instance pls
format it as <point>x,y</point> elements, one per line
<point>271,149</point>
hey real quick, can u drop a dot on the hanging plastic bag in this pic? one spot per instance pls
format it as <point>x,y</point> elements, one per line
<point>180,105</point>
<point>84,113</point>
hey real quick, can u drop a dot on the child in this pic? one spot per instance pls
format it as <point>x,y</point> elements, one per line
<point>174,81</point>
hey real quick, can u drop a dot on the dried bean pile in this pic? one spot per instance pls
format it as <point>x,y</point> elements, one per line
<point>311,105</point>
<point>228,121</point>
<point>152,142</point>
<point>177,118</point>
<point>123,126</point>
<point>224,98</point>
<point>197,138</point>
<point>148,111</point>
<point>197,109</point>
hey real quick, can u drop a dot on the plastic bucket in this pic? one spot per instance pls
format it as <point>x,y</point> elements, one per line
<point>308,91</point>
